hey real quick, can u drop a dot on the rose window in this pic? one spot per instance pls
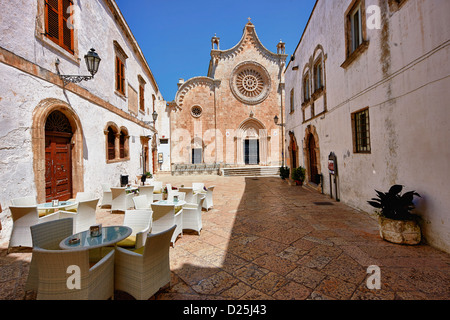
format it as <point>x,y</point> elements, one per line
<point>196,111</point>
<point>250,83</point>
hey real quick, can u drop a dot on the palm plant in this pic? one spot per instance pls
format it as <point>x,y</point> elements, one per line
<point>395,205</point>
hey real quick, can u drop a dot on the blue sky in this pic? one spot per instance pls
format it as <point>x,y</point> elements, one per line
<point>175,36</point>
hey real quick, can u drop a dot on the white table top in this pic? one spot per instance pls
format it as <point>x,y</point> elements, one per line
<point>110,235</point>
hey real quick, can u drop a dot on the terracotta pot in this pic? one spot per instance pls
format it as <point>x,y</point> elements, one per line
<point>399,231</point>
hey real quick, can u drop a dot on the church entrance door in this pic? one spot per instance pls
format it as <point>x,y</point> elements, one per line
<point>251,151</point>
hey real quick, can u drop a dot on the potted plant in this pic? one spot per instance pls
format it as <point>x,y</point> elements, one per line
<point>298,175</point>
<point>397,223</point>
<point>284,172</point>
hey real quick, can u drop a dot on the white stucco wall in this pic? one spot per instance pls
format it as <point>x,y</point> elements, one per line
<point>408,106</point>
<point>21,92</point>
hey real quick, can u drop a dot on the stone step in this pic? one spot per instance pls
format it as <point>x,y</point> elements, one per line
<point>251,171</point>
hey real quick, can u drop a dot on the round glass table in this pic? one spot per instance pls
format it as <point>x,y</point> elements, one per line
<point>110,235</point>
<point>178,203</point>
<point>61,205</point>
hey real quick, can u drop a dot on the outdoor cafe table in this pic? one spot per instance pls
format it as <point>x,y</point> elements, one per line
<point>61,205</point>
<point>110,236</point>
<point>178,203</point>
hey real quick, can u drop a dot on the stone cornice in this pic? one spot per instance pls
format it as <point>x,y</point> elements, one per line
<point>193,83</point>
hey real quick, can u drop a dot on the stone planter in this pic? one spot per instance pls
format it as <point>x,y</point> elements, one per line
<point>400,232</point>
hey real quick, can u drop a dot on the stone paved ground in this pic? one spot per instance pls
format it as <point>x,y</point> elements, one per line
<point>266,240</point>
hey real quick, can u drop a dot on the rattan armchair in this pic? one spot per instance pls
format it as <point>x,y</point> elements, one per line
<point>107,196</point>
<point>209,203</point>
<point>141,203</point>
<point>23,218</point>
<point>164,217</point>
<point>192,217</point>
<point>148,191</point>
<point>140,222</point>
<point>47,235</point>
<point>142,273</point>
<point>67,275</point>
<point>85,216</point>
<point>81,196</point>
<point>157,190</point>
<point>121,201</point>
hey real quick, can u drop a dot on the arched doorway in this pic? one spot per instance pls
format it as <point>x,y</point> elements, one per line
<point>54,132</point>
<point>293,151</point>
<point>313,171</point>
<point>251,143</point>
<point>58,158</point>
<point>311,150</point>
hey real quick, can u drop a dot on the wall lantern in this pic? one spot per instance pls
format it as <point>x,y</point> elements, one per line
<point>154,116</point>
<point>92,63</point>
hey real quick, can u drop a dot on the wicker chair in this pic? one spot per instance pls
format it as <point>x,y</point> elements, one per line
<point>148,191</point>
<point>57,267</point>
<point>85,215</point>
<point>107,196</point>
<point>81,196</point>
<point>143,273</point>
<point>23,218</point>
<point>199,187</point>
<point>29,201</point>
<point>208,203</point>
<point>192,217</point>
<point>47,235</point>
<point>157,190</point>
<point>121,201</point>
<point>190,197</point>
<point>141,203</point>
<point>164,217</point>
<point>140,222</point>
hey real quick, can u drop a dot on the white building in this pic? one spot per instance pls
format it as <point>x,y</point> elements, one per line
<point>369,82</point>
<point>56,138</point>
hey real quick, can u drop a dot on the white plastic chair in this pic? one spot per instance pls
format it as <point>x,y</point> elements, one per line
<point>141,203</point>
<point>85,216</point>
<point>157,190</point>
<point>23,218</point>
<point>209,203</point>
<point>121,201</point>
<point>192,217</point>
<point>164,217</point>
<point>140,222</point>
<point>46,235</point>
<point>148,191</point>
<point>143,273</point>
<point>107,195</point>
<point>96,283</point>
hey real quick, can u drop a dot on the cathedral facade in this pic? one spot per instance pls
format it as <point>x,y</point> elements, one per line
<point>227,117</point>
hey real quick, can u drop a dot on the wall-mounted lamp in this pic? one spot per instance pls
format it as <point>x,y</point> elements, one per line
<point>92,62</point>
<point>276,122</point>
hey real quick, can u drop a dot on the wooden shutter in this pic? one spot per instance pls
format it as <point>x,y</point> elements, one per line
<point>57,23</point>
<point>111,145</point>
<point>141,98</point>
<point>120,76</point>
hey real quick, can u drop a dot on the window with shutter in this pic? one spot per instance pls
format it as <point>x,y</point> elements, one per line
<point>58,24</point>
<point>120,76</point>
<point>111,144</point>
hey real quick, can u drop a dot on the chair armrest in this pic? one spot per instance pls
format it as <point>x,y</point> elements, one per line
<point>141,237</point>
<point>67,214</point>
<point>101,278</point>
<point>102,263</point>
<point>49,217</point>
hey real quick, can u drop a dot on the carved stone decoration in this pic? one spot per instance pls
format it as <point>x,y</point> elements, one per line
<point>250,82</point>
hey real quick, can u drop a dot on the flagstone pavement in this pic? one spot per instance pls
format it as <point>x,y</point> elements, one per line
<point>267,240</point>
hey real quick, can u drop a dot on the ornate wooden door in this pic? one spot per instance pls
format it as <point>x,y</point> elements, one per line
<point>58,168</point>
<point>58,157</point>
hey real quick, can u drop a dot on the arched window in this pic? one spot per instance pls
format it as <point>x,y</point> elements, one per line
<point>111,144</point>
